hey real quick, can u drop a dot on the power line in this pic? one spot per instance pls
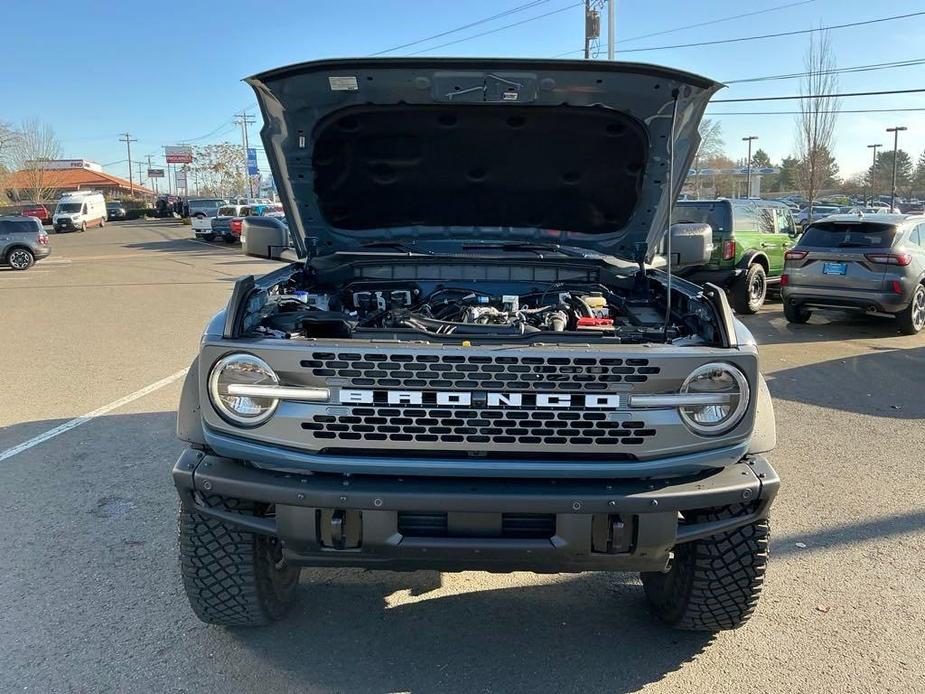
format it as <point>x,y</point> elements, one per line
<point>494,31</point>
<point>797,113</point>
<point>817,96</point>
<point>701,24</point>
<point>506,13</point>
<point>834,71</point>
<point>771,36</point>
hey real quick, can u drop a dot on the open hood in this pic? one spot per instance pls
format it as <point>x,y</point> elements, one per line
<point>551,151</point>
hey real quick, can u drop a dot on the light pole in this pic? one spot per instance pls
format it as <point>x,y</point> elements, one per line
<point>895,132</point>
<point>748,170</point>
<point>873,167</point>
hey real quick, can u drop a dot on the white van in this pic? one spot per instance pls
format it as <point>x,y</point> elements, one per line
<point>80,210</point>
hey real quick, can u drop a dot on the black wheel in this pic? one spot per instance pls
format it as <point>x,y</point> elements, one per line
<point>102,223</point>
<point>233,577</point>
<point>207,237</point>
<point>796,314</point>
<point>912,320</point>
<point>231,239</point>
<point>83,227</point>
<point>749,291</point>
<point>714,583</point>
<point>20,259</point>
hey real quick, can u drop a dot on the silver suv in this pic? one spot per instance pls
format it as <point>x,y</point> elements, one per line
<point>871,263</point>
<point>22,242</point>
<point>471,362</point>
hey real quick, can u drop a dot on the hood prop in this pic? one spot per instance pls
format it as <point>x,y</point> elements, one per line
<point>674,117</point>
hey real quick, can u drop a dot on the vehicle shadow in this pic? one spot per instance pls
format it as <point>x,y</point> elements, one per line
<point>590,632</point>
<point>848,534</point>
<point>187,246</point>
<point>771,328</point>
<point>884,383</point>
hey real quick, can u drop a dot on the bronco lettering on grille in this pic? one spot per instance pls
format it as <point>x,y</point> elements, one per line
<point>609,401</point>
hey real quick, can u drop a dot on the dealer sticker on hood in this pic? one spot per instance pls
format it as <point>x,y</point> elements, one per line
<point>343,84</point>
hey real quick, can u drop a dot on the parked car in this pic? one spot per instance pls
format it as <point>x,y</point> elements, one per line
<point>201,212</point>
<point>40,212</point>
<point>868,263</point>
<point>454,374</point>
<point>227,223</point>
<point>115,210</point>
<point>750,238</point>
<point>819,212</point>
<point>22,241</point>
<point>79,211</point>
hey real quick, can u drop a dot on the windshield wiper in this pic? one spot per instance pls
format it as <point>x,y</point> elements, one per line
<point>397,245</point>
<point>538,248</point>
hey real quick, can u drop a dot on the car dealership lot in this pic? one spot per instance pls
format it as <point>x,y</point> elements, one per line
<point>90,593</point>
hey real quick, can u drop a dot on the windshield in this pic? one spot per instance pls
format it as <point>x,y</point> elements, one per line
<point>715,214</point>
<point>195,204</point>
<point>841,235</point>
<point>69,207</point>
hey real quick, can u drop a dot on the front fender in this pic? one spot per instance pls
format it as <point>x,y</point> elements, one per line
<point>189,416</point>
<point>764,435</point>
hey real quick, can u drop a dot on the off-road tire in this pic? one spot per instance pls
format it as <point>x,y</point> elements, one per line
<point>713,583</point>
<point>796,314</point>
<point>20,258</point>
<point>745,296</point>
<point>232,577</point>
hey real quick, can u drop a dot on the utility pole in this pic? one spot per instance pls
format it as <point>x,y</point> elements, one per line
<point>873,168</point>
<point>244,120</point>
<point>140,165</point>
<point>154,180</point>
<point>748,166</point>
<point>895,132</point>
<point>592,27</point>
<point>127,139</point>
<point>610,29</point>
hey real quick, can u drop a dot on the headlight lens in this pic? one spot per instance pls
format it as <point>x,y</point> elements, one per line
<point>240,409</point>
<point>715,379</point>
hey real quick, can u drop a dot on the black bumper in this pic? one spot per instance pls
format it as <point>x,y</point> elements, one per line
<point>721,278</point>
<point>459,524</point>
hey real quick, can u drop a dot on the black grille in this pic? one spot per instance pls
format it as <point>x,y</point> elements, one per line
<point>472,426</point>
<point>510,373</point>
<point>512,525</point>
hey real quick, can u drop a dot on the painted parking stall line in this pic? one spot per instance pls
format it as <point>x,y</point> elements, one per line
<point>83,419</point>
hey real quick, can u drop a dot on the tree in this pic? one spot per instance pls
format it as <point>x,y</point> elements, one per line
<point>8,137</point>
<point>761,159</point>
<point>218,169</point>
<point>918,180</point>
<point>818,114</point>
<point>881,174</point>
<point>35,142</point>
<point>789,176</point>
<point>711,146</point>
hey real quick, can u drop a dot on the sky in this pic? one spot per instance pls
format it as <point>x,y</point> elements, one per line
<point>171,71</point>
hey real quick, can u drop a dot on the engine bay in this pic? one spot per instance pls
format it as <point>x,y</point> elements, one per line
<point>619,311</point>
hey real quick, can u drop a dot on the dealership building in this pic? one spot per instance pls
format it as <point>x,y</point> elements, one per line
<point>58,176</point>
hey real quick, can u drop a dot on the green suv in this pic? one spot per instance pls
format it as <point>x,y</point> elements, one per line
<point>750,238</point>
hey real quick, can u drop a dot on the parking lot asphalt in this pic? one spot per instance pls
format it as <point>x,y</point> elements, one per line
<point>90,597</point>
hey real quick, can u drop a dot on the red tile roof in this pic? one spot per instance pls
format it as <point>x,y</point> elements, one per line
<point>73,178</point>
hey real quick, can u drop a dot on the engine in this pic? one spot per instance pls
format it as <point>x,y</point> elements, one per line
<point>434,310</point>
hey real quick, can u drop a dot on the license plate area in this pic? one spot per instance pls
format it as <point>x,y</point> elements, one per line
<point>835,268</point>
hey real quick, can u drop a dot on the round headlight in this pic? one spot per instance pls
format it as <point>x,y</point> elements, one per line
<point>730,387</point>
<point>248,370</point>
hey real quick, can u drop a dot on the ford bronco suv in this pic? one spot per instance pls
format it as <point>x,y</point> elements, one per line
<point>474,359</point>
<point>750,238</point>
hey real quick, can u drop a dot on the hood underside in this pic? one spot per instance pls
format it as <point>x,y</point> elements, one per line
<point>568,152</point>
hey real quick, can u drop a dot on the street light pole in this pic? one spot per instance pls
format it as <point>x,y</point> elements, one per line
<point>895,132</point>
<point>748,170</point>
<point>873,167</point>
<point>610,29</point>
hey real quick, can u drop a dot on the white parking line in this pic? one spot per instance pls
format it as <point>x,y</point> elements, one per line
<point>83,419</point>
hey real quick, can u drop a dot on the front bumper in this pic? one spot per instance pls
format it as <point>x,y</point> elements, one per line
<point>459,524</point>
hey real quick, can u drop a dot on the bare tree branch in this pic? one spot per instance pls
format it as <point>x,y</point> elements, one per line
<point>35,143</point>
<point>818,115</point>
